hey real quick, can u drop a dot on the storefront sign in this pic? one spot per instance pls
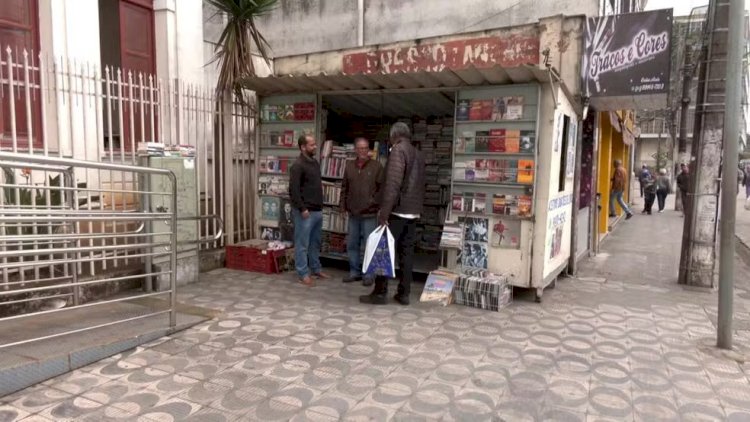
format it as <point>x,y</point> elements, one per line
<point>482,53</point>
<point>627,56</point>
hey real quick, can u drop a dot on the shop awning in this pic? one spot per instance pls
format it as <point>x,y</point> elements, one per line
<point>323,82</point>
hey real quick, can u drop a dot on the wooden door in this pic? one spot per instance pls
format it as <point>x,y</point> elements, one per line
<point>19,31</point>
<point>137,57</point>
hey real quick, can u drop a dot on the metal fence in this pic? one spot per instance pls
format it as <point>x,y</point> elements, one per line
<point>46,248</point>
<point>64,109</point>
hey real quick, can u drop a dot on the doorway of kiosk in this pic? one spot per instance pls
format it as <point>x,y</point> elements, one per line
<point>430,116</point>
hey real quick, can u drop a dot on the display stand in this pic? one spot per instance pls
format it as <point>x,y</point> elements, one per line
<point>282,120</point>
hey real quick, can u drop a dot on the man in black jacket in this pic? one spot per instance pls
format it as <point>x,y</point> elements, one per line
<point>400,208</point>
<point>306,193</point>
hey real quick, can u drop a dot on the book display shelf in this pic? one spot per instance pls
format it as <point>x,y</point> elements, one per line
<point>282,120</point>
<point>493,176</point>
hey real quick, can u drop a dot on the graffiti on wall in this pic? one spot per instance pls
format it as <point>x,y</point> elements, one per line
<point>481,53</point>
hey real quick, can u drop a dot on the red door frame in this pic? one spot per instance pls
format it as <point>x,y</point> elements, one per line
<point>148,6</point>
<point>20,109</point>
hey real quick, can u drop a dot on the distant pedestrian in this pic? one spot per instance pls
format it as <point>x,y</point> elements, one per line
<point>360,188</point>
<point>619,180</point>
<point>642,176</point>
<point>400,208</point>
<point>649,191</point>
<point>663,188</point>
<point>746,181</point>
<point>683,182</point>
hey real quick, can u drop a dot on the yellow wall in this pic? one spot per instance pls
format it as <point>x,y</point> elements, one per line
<point>611,148</point>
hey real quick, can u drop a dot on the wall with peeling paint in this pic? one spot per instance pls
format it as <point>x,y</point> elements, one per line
<point>310,26</point>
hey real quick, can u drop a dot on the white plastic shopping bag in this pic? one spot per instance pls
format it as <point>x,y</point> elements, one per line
<point>380,254</point>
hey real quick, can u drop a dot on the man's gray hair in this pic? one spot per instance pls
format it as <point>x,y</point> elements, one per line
<point>400,130</point>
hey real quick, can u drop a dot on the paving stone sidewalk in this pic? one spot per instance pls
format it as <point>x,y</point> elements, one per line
<point>620,342</point>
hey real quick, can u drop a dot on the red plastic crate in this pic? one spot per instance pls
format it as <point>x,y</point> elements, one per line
<point>248,258</point>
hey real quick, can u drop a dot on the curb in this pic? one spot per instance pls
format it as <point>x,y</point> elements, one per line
<point>742,249</point>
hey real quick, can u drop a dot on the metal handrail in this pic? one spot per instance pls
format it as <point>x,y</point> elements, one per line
<point>67,247</point>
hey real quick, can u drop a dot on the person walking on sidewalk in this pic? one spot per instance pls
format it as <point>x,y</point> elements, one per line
<point>400,208</point>
<point>746,181</point>
<point>306,193</point>
<point>683,182</point>
<point>363,178</point>
<point>663,188</point>
<point>642,176</point>
<point>619,180</point>
<point>649,190</point>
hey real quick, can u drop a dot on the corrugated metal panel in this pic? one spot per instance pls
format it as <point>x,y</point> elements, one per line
<point>322,82</point>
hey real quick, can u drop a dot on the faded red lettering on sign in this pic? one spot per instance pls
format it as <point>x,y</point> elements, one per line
<point>481,53</point>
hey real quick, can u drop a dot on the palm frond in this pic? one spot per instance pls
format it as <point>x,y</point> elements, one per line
<point>238,40</point>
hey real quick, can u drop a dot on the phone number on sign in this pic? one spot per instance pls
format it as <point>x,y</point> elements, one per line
<point>648,87</point>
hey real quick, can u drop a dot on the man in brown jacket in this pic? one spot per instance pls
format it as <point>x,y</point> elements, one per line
<point>619,182</point>
<point>363,178</point>
<point>400,208</point>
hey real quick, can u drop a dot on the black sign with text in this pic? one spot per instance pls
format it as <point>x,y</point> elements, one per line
<point>627,56</point>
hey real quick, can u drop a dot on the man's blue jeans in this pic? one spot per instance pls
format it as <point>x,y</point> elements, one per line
<point>617,195</point>
<point>359,229</point>
<point>307,233</point>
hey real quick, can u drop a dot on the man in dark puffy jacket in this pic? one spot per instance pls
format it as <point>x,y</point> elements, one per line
<point>400,208</point>
<point>363,178</point>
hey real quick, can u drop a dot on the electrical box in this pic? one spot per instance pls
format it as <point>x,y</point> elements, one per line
<point>187,206</point>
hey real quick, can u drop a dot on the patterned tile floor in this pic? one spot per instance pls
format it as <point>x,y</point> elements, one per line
<point>620,342</point>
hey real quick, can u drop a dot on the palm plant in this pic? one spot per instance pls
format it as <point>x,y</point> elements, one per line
<point>239,40</point>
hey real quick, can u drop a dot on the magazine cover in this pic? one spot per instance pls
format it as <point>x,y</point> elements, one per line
<point>462,110</point>
<point>514,108</point>
<point>269,208</point>
<point>439,287</point>
<point>506,234</point>
<point>498,109</point>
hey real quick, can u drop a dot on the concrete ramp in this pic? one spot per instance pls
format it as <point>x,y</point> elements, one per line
<point>27,364</point>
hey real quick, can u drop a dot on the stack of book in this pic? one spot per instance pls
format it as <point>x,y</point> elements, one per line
<point>506,141</point>
<point>333,243</point>
<point>334,159</point>
<point>335,221</point>
<point>482,290</point>
<point>150,149</point>
<point>331,193</point>
<point>495,170</point>
<point>452,236</point>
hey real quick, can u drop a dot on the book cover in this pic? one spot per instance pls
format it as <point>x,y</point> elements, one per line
<point>270,206</point>
<point>528,140</point>
<point>304,112</point>
<point>524,206</point>
<point>512,141</point>
<point>479,205</point>
<point>459,171</point>
<point>470,144</point>
<point>288,138</point>
<point>468,201</point>
<point>273,113</point>
<point>514,108</point>
<point>498,204</point>
<point>498,109</point>
<point>461,144</point>
<point>525,171</point>
<point>497,140</point>
<point>457,202</point>
<point>495,175</point>
<point>482,141</point>
<point>288,112</point>
<point>462,110</point>
<point>482,175</point>
<point>475,111</point>
<point>438,287</point>
<point>485,110</point>
<point>506,234</point>
<point>469,174</point>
